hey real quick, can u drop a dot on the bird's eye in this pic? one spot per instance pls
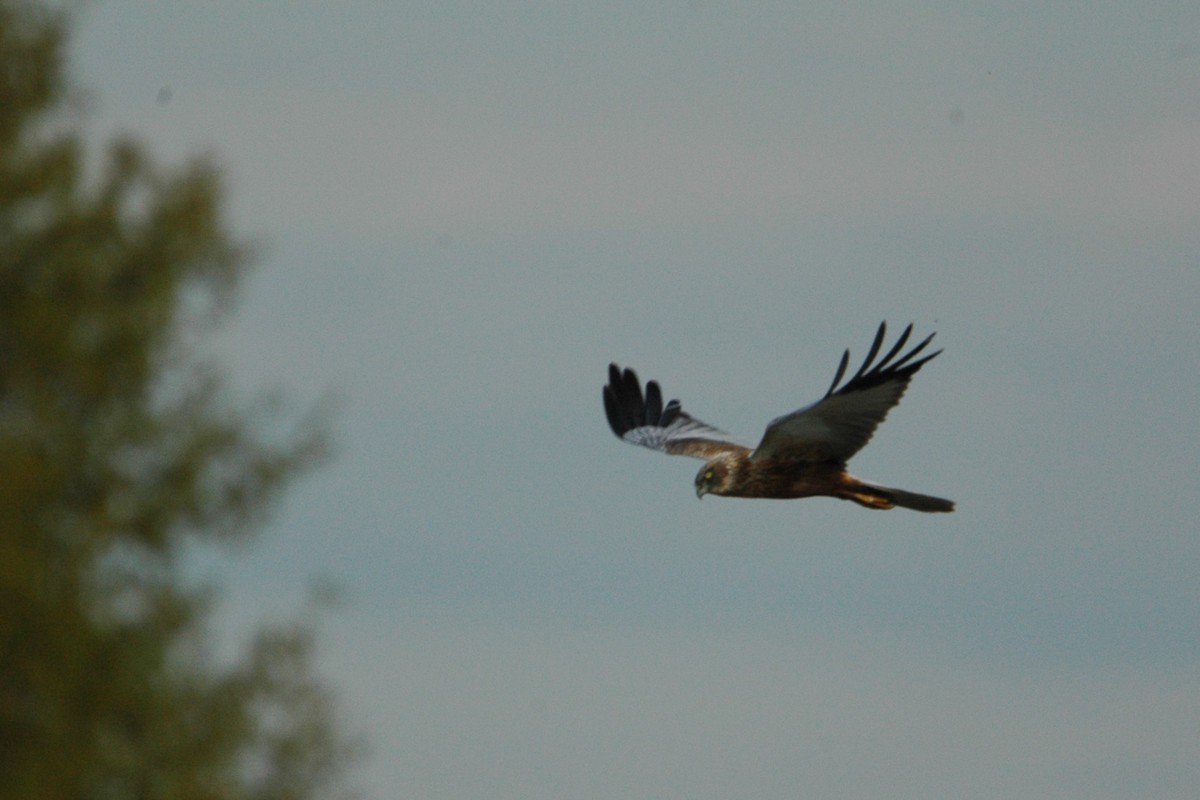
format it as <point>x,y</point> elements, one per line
<point>708,474</point>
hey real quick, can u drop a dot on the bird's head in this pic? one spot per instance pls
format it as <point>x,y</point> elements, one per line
<point>713,478</point>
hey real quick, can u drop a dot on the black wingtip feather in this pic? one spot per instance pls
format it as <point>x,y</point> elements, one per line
<point>614,375</point>
<point>627,407</point>
<point>841,370</point>
<point>632,402</point>
<point>874,351</point>
<point>869,375</point>
<point>611,411</point>
<point>908,356</point>
<point>672,410</point>
<point>898,345</point>
<point>654,403</point>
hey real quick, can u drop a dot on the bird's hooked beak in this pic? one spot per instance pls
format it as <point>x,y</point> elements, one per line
<point>701,490</point>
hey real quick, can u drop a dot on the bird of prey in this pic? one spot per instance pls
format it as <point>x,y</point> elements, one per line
<point>802,454</point>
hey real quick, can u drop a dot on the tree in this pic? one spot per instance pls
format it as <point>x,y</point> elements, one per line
<point>118,447</point>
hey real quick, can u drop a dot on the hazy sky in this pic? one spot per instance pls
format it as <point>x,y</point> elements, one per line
<point>464,213</point>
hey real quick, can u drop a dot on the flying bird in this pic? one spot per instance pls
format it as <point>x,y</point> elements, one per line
<point>801,454</point>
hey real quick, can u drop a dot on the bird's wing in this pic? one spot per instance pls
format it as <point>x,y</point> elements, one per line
<point>841,423</point>
<point>644,420</point>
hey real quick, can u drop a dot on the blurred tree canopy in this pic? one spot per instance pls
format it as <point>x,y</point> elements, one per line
<point>116,449</point>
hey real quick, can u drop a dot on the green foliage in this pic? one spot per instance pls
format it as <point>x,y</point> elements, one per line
<point>116,448</point>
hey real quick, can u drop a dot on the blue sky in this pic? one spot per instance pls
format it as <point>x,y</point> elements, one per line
<point>464,214</point>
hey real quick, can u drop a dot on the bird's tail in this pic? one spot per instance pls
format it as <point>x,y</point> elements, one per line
<point>884,497</point>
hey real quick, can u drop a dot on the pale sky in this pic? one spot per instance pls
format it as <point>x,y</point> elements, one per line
<point>464,214</point>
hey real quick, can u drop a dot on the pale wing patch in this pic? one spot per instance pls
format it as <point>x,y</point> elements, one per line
<point>642,419</point>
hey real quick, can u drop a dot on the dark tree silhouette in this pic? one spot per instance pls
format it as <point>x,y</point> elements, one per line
<point>117,447</point>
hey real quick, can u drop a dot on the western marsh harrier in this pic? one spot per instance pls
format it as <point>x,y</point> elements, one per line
<point>802,454</point>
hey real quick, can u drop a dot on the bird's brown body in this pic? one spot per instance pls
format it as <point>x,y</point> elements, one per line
<point>802,454</point>
<point>737,475</point>
<point>734,474</point>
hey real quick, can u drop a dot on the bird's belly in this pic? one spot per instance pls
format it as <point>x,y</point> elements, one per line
<point>789,480</point>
